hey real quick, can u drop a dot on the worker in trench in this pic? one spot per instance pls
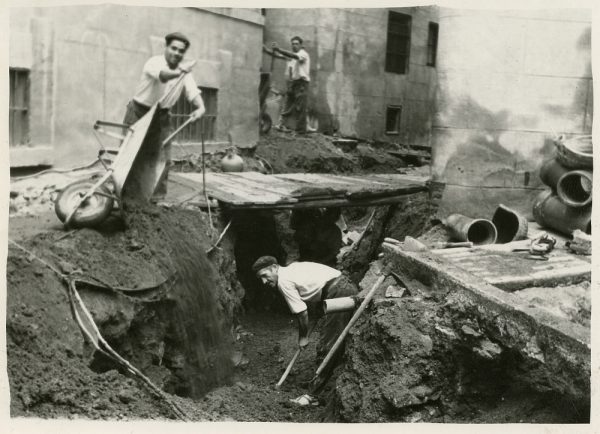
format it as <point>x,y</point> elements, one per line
<point>304,283</point>
<point>158,80</point>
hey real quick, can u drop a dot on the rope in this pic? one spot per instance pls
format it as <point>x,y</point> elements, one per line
<point>96,337</point>
<point>214,246</point>
<point>43,172</point>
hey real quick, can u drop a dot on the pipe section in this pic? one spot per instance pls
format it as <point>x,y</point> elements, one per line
<point>575,188</point>
<point>549,211</point>
<point>551,171</point>
<point>340,304</point>
<point>478,231</point>
<point>511,225</point>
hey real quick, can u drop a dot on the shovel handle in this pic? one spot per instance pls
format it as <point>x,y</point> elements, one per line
<point>174,133</point>
<point>296,354</point>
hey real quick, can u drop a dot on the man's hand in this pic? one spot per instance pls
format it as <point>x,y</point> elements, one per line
<point>187,66</point>
<point>274,46</point>
<point>196,114</point>
<point>303,342</point>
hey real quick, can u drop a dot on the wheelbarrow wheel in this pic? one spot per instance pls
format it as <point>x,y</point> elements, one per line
<point>91,212</point>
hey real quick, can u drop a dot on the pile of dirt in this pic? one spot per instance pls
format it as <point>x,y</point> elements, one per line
<point>428,356</point>
<point>317,153</point>
<point>166,306</point>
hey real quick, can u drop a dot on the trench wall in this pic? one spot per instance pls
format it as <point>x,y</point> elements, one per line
<point>85,62</point>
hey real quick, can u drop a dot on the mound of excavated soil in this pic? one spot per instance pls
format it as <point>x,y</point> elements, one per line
<point>316,153</point>
<point>179,333</point>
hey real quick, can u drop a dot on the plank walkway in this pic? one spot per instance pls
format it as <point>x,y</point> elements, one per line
<point>254,190</point>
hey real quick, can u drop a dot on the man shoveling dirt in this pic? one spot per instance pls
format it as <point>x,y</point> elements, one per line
<point>308,282</point>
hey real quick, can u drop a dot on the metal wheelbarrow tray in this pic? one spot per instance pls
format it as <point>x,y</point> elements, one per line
<point>133,175</point>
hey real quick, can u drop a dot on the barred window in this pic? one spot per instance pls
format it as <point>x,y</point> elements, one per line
<point>19,106</point>
<point>182,109</point>
<point>398,43</point>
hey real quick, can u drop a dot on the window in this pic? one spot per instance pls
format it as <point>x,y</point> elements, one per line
<point>19,106</point>
<point>398,43</point>
<point>192,133</point>
<point>432,43</point>
<point>392,119</point>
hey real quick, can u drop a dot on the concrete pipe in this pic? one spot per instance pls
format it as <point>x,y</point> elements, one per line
<point>575,188</point>
<point>340,304</point>
<point>576,152</point>
<point>478,231</point>
<point>549,211</point>
<point>511,225</point>
<point>551,171</point>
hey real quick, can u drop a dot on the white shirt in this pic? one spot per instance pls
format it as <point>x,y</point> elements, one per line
<point>300,282</point>
<point>150,89</point>
<point>301,69</point>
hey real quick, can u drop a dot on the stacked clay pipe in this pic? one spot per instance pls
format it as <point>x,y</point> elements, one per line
<point>567,206</point>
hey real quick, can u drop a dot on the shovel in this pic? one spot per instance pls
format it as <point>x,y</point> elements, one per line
<point>296,354</point>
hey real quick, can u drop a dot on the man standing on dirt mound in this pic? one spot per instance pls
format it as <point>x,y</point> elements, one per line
<point>308,282</point>
<point>159,83</point>
<point>296,101</point>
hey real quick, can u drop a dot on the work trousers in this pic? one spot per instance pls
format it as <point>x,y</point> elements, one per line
<point>296,103</point>
<point>335,322</point>
<point>160,130</point>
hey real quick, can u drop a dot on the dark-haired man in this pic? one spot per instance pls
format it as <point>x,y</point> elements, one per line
<point>308,282</point>
<point>158,80</point>
<point>299,73</point>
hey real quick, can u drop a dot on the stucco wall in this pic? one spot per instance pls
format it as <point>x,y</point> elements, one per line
<point>508,81</point>
<point>87,60</point>
<point>350,89</point>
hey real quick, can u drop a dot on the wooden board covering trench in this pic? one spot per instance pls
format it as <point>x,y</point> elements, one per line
<point>253,190</point>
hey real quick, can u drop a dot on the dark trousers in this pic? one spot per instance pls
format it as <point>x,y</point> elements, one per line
<point>159,130</point>
<point>335,322</point>
<point>296,103</point>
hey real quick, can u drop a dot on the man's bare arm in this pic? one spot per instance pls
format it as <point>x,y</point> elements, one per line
<point>302,318</point>
<point>198,102</point>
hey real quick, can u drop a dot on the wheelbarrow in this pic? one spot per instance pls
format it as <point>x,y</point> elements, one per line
<point>133,173</point>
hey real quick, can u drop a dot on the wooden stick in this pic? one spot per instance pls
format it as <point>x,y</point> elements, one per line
<point>353,320</point>
<point>296,354</point>
<point>174,133</point>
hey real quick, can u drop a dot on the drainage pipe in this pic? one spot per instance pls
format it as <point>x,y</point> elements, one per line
<point>551,212</point>
<point>575,188</point>
<point>340,304</point>
<point>551,171</point>
<point>511,225</point>
<point>478,231</point>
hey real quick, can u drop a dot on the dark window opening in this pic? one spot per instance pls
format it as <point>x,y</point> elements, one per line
<point>207,124</point>
<point>392,119</point>
<point>19,107</point>
<point>398,43</point>
<point>432,43</point>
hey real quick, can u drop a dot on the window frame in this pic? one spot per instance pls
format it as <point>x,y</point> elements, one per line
<point>398,43</point>
<point>432,43</point>
<point>19,111</point>
<point>206,125</point>
<point>397,121</point>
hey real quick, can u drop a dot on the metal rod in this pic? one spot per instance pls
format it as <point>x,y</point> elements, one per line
<point>352,321</point>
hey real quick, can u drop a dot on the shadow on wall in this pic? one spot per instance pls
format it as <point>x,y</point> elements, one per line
<point>481,173</point>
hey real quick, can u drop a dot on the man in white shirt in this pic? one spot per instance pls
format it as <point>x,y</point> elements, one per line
<point>158,80</point>
<point>308,282</point>
<point>299,69</point>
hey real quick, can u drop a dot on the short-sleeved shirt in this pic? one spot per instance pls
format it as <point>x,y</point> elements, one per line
<point>302,282</point>
<point>301,70</point>
<point>150,89</point>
